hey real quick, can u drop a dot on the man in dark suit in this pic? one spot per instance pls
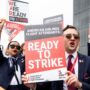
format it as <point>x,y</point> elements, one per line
<point>80,78</point>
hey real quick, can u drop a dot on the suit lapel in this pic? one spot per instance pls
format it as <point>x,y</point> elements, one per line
<point>81,63</point>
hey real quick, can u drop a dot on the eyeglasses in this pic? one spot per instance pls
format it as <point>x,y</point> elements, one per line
<point>13,46</point>
<point>75,36</point>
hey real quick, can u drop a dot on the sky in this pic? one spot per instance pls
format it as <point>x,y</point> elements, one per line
<point>40,9</point>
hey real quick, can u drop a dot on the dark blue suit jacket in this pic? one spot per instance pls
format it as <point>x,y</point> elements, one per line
<point>83,76</point>
<point>6,71</point>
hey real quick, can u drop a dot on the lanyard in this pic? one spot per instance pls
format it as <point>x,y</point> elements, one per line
<point>76,59</point>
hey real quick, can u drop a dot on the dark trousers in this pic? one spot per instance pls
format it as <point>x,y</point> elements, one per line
<point>17,87</point>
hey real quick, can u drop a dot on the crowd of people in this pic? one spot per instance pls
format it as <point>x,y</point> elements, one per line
<point>12,67</point>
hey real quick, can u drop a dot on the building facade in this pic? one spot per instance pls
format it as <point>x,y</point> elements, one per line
<point>81,19</point>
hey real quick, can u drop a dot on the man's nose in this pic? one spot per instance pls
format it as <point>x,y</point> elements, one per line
<point>72,37</point>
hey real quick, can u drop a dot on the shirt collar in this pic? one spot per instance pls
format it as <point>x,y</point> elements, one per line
<point>74,55</point>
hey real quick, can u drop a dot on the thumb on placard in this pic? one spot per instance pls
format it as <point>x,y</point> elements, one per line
<point>69,73</point>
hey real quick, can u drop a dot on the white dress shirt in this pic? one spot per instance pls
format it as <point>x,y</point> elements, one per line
<point>75,67</point>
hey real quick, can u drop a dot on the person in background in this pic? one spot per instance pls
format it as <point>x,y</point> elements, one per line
<point>22,50</point>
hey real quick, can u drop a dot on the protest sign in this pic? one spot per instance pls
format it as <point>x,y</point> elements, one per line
<point>13,29</point>
<point>18,11</point>
<point>57,19</point>
<point>44,53</point>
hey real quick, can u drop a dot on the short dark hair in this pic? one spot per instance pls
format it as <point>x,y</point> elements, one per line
<point>69,26</point>
<point>72,27</point>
